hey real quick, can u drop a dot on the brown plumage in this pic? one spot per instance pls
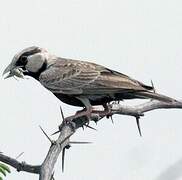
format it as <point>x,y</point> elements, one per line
<point>79,83</point>
<point>70,79</point>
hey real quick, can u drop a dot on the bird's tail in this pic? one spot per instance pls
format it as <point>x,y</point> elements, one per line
<point>153,95</point>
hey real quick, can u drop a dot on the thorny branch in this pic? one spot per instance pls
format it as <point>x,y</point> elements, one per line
<point>45,170</point>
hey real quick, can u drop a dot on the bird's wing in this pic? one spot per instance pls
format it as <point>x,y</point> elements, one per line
<point>80,77</point>
<point>68,76</point>
<point>115,81</point>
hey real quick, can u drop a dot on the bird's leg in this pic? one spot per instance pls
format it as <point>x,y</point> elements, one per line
<point>85,112</point>
<point>88,107</point>
<point>79,111</point>
<point>106,112</point>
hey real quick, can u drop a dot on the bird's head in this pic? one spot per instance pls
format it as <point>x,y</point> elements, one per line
<point>30,61</point>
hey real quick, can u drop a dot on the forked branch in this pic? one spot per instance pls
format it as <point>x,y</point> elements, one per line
<point>45,170</point>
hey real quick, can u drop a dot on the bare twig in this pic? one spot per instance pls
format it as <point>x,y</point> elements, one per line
<point>19,166</point>
<point>140,109</point>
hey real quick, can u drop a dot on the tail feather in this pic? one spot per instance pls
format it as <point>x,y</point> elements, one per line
<point>152,95</point>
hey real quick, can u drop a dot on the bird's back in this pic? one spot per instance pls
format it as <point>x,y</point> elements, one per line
<point>68,78</point>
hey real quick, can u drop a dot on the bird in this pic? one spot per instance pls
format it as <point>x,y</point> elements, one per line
<point>79,83</point>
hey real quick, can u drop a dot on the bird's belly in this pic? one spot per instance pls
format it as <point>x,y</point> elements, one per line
<point>99,99</point>
<point>71,100</point>
<point>94,99</point>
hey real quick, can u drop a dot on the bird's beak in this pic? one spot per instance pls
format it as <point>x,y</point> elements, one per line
<point>13,71</point>
<point>8,69</point>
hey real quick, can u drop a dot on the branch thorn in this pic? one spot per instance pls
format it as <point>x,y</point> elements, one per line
<point>153,86</point>
<point>90,127</point>
<point>19,155</point>
<point>112,119</point>
<point>79,142</point>
<point>138,125</point>
<point>63,157</point>
<point>62,115</point>
<point>46,135</point>
<point>52,176</point>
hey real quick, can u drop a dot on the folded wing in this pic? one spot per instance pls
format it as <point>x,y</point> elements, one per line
<point>79,77</point>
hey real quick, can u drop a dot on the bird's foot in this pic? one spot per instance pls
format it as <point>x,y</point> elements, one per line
<point>84,112</point>
<point>106,112</point>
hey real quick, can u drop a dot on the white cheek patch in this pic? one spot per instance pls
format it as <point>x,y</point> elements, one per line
<point>35,62</point>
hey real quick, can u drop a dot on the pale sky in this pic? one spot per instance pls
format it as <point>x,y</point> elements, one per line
<point>140,38</point>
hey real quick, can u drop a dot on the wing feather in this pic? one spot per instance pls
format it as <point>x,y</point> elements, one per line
<point>79,77</point>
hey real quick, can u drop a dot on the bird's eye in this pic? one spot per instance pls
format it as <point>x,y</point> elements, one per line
<point>23,59</point>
